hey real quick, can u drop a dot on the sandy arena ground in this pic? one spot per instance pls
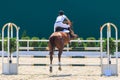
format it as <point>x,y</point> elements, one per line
<point>67,73</point>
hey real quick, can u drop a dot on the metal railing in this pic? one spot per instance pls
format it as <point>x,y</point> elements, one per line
<point>28,47</point>
<point>67,47</point>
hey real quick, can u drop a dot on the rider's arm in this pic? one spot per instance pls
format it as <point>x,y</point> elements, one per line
<point>68,20</point>
<point>66,17</point>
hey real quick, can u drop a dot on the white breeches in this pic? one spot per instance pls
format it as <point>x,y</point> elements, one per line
<point>61,25</point>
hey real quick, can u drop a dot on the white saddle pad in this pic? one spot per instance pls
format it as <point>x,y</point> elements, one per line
<point>66,31</point>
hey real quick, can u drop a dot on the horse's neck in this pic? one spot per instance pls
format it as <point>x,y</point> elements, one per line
<point>68,35</point>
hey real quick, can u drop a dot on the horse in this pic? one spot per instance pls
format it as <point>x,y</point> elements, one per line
<point>58,40</point>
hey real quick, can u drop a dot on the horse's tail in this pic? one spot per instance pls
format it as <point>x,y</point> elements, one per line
<point>52,42</point>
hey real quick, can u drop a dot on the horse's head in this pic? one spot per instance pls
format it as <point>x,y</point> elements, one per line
<point>75,36</point>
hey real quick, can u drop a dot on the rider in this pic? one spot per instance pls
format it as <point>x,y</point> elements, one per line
<point>61,24</point>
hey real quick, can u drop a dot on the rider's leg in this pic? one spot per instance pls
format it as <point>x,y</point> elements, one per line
<point>63,25</point>
<point>72,35</point>
<point>60,25</point>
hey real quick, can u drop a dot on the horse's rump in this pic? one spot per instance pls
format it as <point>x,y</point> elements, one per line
<point>58,39</point>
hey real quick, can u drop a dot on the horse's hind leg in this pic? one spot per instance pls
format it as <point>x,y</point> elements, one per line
<point>59,59</point>
<point>51,58</point>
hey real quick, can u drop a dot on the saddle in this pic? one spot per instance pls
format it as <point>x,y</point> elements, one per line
<point>60,29</point>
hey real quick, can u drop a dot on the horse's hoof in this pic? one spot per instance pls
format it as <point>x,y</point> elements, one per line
<point>60,69</point>
<point>50,70</point>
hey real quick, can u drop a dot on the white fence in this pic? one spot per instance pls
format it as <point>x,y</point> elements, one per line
<point>67,48</point>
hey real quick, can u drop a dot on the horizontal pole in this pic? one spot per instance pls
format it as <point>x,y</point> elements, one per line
<point>31,56</point>
<point>33,65</point>
<point>61,56</point>
<point>27,56</point>
<point>61,64</point>
<point>20,40</point>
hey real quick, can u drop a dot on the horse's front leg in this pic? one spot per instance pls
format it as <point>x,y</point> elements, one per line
<point>51,58</point>
<point>59,59</point>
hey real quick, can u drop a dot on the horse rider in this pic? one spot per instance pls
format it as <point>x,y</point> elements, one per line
<point>62,24</point>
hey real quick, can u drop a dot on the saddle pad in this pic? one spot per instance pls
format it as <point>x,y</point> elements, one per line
<point>66,31</point>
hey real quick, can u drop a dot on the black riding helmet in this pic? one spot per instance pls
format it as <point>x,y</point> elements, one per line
<point>61,12</point>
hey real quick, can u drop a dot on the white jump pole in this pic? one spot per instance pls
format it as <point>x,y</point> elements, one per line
<point>17,41</point>
<point>112,68</point>
<point>116,42</point>
<point>8,67</point>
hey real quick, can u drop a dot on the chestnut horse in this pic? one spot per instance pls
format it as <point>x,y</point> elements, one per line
<point>58,40</point>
